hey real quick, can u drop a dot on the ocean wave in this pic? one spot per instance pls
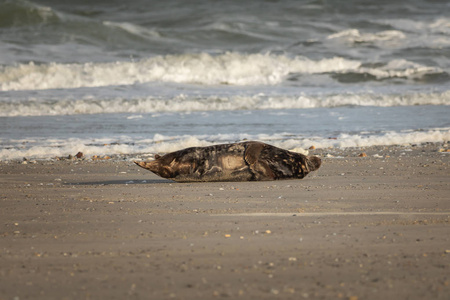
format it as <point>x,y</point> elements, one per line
<point>398,68</point>
<point>401,68</point>
<point>226,69</point>
<point>206,69</point>
<point>69,33</point>
<point>23,13</point>
<point>184,103</point>
<point>440,25</point>
<point>133,29</point>
<point>405,34</point>
<point>432,34</point>
<point>355,36</point>
<point>51,148</point>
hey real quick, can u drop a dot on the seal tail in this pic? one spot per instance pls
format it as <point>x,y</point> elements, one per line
<point>146,165</point>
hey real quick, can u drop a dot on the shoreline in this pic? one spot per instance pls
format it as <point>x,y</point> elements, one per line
<point>358,228</point>
<point>330,152</point>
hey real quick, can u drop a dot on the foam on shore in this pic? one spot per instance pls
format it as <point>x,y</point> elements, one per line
<point>48,149</point>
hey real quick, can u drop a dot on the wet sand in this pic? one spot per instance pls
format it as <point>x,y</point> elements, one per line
<point>360,228</point>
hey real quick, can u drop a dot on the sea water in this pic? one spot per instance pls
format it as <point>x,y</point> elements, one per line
<point>145,77</point>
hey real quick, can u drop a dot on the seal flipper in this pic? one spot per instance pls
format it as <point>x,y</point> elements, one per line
<point>156,167</point>
<point>147,165</point>
<point>260,169</point>
<point>253,152</point>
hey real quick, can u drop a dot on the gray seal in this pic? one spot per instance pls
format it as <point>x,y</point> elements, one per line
<point>246,161</point>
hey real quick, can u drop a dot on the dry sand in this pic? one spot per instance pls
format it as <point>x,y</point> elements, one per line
<point>374,227</point>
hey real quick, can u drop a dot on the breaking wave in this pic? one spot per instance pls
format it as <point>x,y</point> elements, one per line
<point>229,68</point>
<point>354,36</point>
<point>183,103</point>
<point>204,69</point>
<point>23,13</point>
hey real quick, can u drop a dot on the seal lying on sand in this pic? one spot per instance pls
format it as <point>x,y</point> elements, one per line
<point>247,161</point>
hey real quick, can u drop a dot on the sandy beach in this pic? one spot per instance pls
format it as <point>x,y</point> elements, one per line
<point>374,227</point>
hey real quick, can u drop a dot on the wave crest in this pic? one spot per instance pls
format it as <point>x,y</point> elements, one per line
<point>354,36</point>
<point>183,103</point>
<point>23,13</point>
<point>229,68</point>
<point>205,69</point>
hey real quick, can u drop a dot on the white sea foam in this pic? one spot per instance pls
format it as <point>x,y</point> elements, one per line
<point>355,36</point>
<point>133,29</point>
<point>440,25</point>
<point>184,103</point>
<point>229,68</point>
<point>432,34</point>
<point>408,33</point>
<point>388,138</point>
<point>47,149</point>
<point>400,68</point>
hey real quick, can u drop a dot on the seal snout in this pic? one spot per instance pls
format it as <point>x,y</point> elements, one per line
<point>314,163</point>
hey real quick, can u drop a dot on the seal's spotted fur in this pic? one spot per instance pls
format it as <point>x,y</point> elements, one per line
<point>247,161</point>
